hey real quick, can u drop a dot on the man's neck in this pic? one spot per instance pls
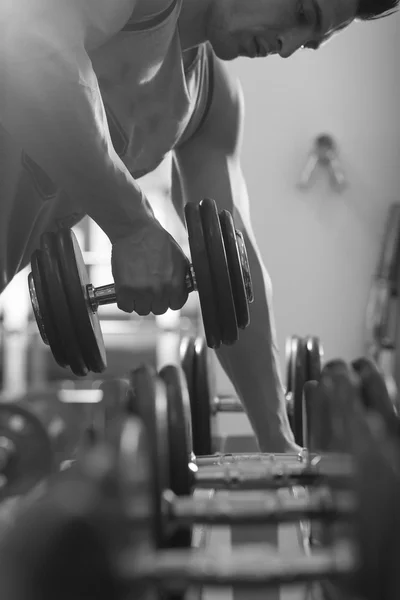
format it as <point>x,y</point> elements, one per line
<point>193,22</point>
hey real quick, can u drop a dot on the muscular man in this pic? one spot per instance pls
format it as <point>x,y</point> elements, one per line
<point>95,93</point>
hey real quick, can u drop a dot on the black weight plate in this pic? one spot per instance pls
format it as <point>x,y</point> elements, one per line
<point>179,430</point>
<point>179,434</point>
<point>148,401</point>
<point>32,458</point>
<point>187,354</point>
<point>219,271</point>
<point>59,305</point>
<point>204,282</point>
<point>374,393</point>
<point>314,358</point>
<point>290,350</point>
<point>201,402</point>
<point>298,377</point>
<point>75,278</point>
<point>41,304</point>
<point>235,269</point>
<point>291,343</point>
<point>341,387</point>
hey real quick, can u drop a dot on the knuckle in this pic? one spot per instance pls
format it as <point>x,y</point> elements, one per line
<point>125,300</point>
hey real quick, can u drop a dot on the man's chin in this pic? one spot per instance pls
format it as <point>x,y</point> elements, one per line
<point>225,53</point>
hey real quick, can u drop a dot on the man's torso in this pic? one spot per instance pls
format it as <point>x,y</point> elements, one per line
<point>155,97</point>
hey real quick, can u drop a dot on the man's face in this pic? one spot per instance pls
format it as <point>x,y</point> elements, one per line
<point>262,27</point>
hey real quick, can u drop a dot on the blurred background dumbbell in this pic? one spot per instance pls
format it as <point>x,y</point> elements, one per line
<point>304,362</point>
<point>43,431</point>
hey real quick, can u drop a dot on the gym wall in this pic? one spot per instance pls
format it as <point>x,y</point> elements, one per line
<point>321,247</point>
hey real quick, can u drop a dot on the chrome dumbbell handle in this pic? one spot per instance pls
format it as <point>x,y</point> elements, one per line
<point>263,508</point>
<point>106,294</point>
<point>253,567</point>
<point>270,475</point>
<point>227,404</point>
<point>258,457</point>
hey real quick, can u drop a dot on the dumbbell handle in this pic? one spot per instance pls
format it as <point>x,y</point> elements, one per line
<point>259,457</point>
<point>267,508</point>
<point>252,567</point>
<point>269,475</point>
<point>226,404</point>
<point>106,293</point>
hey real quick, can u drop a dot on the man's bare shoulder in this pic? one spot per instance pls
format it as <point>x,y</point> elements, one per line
<point>226,114</point>
<point>149,8</point>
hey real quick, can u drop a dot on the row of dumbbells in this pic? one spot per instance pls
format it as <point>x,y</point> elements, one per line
<point>127,499</point>
<point>43,430</point>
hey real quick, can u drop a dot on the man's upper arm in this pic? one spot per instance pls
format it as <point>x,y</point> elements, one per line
<point>91,22</point>
<point>209,162</point>
<point>224,123</point>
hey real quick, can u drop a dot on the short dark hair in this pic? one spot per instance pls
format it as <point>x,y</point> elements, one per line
<point>375,9</point>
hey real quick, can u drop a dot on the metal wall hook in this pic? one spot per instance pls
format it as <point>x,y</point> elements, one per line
<point>324,153</point>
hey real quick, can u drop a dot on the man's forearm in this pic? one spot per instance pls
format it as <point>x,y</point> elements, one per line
<point>252,364</point>
<point>50,102</point>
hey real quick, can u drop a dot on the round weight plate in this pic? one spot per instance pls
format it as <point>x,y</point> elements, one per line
<point>314,358</point>
<point>235,269</point>
<point>59,305</point>
<point>244,259</point>
<point>46,314</point>
<point>179,430</point>
<point>342,390</point>
<point>290,350</point>
<point>219,271</point>
<point>75,278</point>
<point>374,393</point>
<point>187,354</point>
<point>201,402</point>
<point>298,377</point>
<point>179,434</point>
<point>62,424</point>
<point>31,459</point>
<point>148,401</point>
<point>204,282</point>
<point>288,358</point>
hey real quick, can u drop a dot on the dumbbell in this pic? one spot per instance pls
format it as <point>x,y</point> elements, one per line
<point>374,394</point>
<point>42,430</point>
<point>103,510</point>
<point>65,303</point>
<point>303,355</point>
<point>168,418</point>
<point>25,450</point>
<point>38,432</point>
<point>195,360</point>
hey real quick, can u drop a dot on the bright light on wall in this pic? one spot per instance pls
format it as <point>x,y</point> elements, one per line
<point>15,302</point>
